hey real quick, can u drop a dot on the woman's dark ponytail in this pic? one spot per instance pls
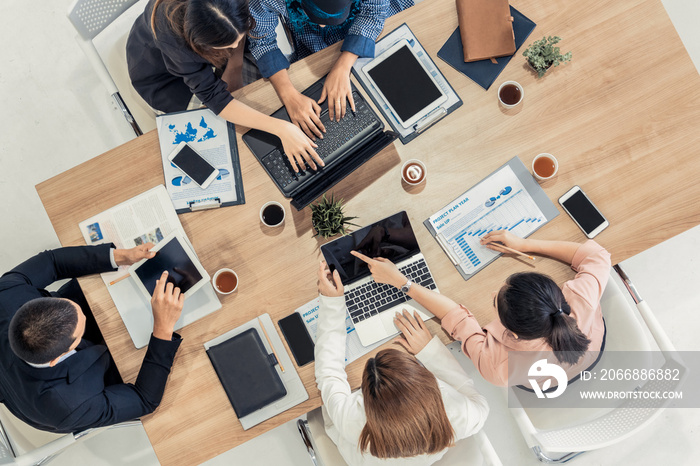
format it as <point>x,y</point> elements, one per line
<point>532,306</point>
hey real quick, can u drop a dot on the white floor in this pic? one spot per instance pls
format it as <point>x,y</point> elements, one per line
<point>56,115</point>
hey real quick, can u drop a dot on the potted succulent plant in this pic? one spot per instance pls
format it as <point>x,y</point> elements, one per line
<point>542,54</point>
<point>328,218</point>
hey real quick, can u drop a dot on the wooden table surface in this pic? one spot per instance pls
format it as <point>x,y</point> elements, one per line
<point>622,119</point>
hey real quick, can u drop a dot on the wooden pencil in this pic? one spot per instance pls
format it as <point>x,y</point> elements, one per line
<point>119,279</point>
<point>270,343</point>
<point>514,251</point>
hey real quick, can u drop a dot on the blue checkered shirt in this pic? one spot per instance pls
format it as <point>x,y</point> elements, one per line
<point>358,38</point>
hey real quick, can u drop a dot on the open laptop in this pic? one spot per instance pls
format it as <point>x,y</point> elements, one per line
<point>371,305</point>
<point>345,146</point>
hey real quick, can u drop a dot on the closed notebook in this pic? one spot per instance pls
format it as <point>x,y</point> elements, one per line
<point>486,29</point>
<point>247,372</point>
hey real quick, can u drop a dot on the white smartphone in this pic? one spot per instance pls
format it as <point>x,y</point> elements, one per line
<point>583,212</point>
<point>193,165</point>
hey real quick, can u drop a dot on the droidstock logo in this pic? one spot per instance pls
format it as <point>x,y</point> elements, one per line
<point>542,368</point>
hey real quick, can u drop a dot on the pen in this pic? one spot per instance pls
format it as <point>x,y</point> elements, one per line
<point>514,251</point>
<point>270,343</point>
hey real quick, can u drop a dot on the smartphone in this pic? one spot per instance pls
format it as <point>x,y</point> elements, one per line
<point>298,338</point>
<point>583,212</point>
<point>193,165</point>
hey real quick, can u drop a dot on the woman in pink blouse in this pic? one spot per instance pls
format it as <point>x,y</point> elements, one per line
<point>534,313</point>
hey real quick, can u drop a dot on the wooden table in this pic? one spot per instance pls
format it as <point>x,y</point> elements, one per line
<point>622,118</point>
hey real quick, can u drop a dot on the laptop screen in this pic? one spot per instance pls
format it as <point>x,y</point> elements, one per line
<point>391,237</point>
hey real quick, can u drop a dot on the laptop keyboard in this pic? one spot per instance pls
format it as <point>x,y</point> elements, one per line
<point>338,134</point>
<point>372,298</point>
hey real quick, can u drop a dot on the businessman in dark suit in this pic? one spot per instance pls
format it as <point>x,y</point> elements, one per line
<point>50,376</point>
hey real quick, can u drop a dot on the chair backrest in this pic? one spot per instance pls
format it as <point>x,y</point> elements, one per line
<point>90,17</point>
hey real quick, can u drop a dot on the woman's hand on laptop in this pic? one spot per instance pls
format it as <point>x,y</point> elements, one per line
<point>329,284</point>
<point>414,334</point>
<point>298,147</point>
<point>383,270</point>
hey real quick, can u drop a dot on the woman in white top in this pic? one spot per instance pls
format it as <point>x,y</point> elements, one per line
<point>410,409</point>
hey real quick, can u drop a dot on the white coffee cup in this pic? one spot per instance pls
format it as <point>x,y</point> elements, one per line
<point>413,172</point>
<point>545,161</point>
<point>267,221</point>
<point>516,85</point>
<point>224,273</point>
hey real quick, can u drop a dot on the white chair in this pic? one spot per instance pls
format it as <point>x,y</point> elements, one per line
<point>106,23</point>
<point>23,445</point>
<point>471,451</point>
<point>569,432</point>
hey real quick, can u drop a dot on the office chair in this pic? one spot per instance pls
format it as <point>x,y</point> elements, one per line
<point>23,445</point>
<point>471,451</point>
<point>90,18</point>
<point>569,432</point>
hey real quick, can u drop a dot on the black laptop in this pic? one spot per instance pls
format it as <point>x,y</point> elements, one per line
<point>345,146</point>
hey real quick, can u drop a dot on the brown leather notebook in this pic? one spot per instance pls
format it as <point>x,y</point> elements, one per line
<point>486,29</point>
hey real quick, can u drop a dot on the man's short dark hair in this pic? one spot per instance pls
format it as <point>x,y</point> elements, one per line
<point>43,329</point>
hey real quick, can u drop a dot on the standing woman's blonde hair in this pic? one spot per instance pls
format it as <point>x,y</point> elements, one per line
<point>403,405</point>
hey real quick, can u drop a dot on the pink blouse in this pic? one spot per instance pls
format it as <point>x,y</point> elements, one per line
<point>488,347</point>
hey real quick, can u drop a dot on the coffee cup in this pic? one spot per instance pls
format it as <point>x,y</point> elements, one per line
<point>272,214</point>
<point>545,167</point>
<point>225,281</point>
<point>413,172</point>
<point>510,94</point>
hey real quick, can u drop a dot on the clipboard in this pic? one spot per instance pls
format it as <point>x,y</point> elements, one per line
<point>210,198</point>
<point>452,103</point>
<point>531,187</point>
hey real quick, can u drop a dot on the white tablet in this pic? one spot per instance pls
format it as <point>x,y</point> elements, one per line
<point>174,255</point>
<point>404,83</point>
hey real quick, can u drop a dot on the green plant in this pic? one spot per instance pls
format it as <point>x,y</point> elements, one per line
<point>328,218</point>
<point>542,54</point>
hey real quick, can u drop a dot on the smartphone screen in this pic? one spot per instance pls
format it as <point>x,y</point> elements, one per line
<point>298,338</point>
<point>193,165</point>
<point>583,211</point>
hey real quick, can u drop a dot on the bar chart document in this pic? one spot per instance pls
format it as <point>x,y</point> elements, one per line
<point>500,202</point>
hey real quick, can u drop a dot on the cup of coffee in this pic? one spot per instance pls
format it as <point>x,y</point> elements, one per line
<point>272,214</point>
<point>545,166</point>
<point>225,281</point>
<point>413,172</point>
<point>510,94</point>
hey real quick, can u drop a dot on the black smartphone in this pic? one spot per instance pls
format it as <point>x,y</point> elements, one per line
<point>298,338</point>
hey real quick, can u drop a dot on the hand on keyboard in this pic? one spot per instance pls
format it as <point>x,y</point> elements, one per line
<point>414,334</point>
<point>304,112</point>
<point>298,148</point>
<point>337,87</point>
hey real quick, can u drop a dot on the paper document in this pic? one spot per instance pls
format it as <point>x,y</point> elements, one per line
<point>353,347</point>
<point>148,217</point>
<point>207,134</point>
<point>500,202</point>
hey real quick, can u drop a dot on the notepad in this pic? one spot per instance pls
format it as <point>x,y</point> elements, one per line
<point>247,372</point>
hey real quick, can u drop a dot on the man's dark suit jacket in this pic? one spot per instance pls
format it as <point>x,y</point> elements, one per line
<point>73,395</point>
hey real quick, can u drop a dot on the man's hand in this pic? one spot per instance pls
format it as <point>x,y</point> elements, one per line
<point>133,255</point>
<point>329,284</point>
<point>166,304</point>
<point>304,112</point>
<point>383,270</point>
<point>337,87</point>
<point>414,334</point>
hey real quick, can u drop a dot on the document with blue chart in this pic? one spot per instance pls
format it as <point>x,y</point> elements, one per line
<point>508,199</point>
<point>215,140</point>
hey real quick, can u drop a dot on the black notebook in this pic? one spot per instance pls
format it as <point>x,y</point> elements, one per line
<point>247,372</point>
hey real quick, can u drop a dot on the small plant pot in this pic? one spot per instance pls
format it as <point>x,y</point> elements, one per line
<point>539,75</point>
